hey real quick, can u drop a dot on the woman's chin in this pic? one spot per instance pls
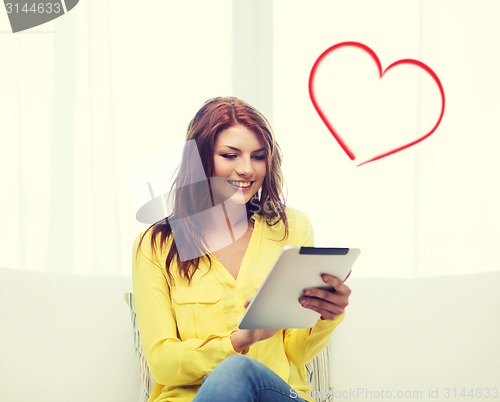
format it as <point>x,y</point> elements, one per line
<point>223,192</point>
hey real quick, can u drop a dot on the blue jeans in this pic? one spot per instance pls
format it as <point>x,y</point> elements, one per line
<point>243,379</point>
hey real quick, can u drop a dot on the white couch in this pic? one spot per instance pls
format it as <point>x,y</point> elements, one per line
<point>69,338</point>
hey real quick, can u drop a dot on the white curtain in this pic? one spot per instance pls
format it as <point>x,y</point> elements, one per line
<point>85,97</point>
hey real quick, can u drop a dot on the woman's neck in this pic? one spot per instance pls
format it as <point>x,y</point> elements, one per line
<point>225,225</point>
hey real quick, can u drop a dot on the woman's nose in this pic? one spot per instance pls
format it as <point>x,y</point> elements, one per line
<point>244,167</point>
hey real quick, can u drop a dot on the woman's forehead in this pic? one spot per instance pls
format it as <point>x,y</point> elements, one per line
<point>239,137</point>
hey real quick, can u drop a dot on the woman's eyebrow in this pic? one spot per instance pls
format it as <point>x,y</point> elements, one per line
<point>239,150</point>
<point>230,147</point>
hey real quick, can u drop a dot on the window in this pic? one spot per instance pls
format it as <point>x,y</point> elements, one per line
<point>430,209</point>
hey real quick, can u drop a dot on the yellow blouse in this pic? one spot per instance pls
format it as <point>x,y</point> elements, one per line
<point>185,330</point>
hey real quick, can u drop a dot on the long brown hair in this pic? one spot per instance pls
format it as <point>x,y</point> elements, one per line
<point>216,115</point>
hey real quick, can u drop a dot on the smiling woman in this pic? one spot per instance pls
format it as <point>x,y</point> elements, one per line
<point>194,272</point>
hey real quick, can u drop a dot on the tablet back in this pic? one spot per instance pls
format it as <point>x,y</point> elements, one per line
<point>275,305</point>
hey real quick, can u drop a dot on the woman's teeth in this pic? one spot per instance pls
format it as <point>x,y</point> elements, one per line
<point>242,184</point>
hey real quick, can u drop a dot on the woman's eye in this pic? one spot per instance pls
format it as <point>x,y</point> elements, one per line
<point>259,157</point>
<point>229,156</point>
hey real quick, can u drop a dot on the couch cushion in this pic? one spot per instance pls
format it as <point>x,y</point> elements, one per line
<point>65,338</point>
<point>435,337</point>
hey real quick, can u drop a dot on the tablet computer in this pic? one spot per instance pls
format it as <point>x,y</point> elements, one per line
<point>276,305</point>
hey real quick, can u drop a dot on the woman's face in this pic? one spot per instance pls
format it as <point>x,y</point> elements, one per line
<point>239,162</point>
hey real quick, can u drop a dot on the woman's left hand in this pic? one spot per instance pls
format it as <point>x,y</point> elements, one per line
<point>331,301</point>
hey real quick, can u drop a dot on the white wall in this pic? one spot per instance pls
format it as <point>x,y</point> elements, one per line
<point>431,209</point>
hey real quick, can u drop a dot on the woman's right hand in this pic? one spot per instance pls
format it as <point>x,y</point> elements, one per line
<point>242,339</point>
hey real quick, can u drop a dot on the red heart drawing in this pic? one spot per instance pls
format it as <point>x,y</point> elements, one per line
<point>373,55</point>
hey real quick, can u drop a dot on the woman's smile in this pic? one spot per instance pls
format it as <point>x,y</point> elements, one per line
<point>242,185</point>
